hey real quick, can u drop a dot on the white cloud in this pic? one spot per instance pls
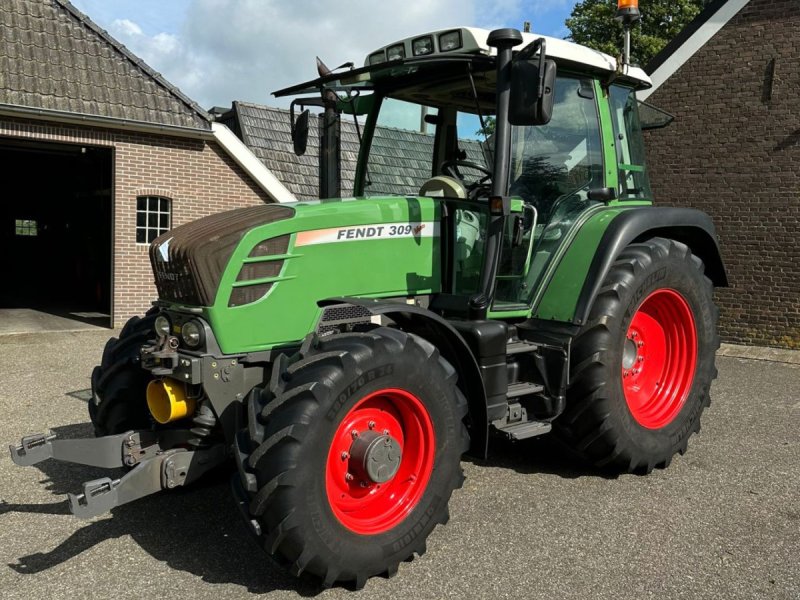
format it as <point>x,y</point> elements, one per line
<point>126,27</point>
<point>244,49</point>
<point>227,50</point>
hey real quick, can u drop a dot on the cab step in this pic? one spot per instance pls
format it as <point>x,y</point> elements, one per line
<point>523,388</point>
<point>521,347</point>
<point>525,430</point>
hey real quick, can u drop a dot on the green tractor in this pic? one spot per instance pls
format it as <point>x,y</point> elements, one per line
<point>345,353</point>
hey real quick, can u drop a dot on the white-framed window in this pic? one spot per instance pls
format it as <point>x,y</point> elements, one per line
<point>153,217</point>
<point>26,227</point>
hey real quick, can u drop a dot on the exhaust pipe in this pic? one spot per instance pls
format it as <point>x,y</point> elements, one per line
<point>167,401</point>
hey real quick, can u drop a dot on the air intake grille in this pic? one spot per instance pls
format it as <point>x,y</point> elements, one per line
<point>342,317</point>
<point>255,271</point>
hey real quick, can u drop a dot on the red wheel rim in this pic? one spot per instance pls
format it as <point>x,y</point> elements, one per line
<point>659,358</point>
<point>360,504</point>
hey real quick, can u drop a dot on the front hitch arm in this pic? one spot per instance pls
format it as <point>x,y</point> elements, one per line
<point>157,464</point>
<point>105,452</point>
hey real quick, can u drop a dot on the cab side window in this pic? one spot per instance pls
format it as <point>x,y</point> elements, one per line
<point>552,162</point>
<point>633,182</point>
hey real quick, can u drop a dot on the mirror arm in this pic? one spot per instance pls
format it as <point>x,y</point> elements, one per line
<point>530,50</point>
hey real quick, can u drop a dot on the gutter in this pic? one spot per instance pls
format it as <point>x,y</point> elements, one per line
<point>74,118</point>
<point>218,133</point>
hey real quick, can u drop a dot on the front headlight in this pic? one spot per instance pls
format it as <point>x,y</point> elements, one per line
<point>192,334</point>
<point>162,326</point>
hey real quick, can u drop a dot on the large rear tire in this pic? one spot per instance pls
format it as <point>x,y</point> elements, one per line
<point>355,450</point>
<point>642,366</point>
<point>119,384</point>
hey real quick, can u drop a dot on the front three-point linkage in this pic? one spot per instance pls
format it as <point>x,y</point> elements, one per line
<point>156,462</point>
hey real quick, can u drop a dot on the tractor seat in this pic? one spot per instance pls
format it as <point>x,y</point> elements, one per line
<point>443,186</point>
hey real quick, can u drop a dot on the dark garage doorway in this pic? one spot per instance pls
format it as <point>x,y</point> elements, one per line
<point>55,229</point>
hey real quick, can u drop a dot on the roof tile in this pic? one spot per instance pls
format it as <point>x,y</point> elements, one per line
<point>53,55</point>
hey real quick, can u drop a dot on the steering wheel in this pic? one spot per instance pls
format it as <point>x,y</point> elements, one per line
<point>450,167</point>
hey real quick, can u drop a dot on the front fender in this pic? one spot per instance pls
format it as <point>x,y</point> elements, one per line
<point>452,346</point>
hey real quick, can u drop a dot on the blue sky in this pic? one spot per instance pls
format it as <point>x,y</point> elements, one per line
<point>217,51</point>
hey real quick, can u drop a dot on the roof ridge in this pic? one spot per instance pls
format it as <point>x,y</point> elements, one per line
<point>138,62</point>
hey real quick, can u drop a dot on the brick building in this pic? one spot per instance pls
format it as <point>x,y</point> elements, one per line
<point>731,80</point>
<point>99,155</point>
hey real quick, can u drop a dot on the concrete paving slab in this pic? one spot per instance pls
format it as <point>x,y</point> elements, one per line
<point>783,355</point>
<point>28,320</point>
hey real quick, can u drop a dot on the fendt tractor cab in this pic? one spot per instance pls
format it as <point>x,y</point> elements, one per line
<point>344,353</point>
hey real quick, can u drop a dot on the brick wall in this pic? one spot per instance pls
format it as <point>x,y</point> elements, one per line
<point>734,152</point>
<point>197,175</point>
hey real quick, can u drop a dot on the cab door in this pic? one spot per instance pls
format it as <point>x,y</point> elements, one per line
<point>554,170</point>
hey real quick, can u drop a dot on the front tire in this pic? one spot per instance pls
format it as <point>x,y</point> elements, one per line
<point>642,366</point>
<point>355,450</point>
<point>119,384</point>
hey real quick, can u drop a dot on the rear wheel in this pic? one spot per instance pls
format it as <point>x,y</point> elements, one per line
<point>354,452</point>
<point>642,366</point>
<point>119,384</point>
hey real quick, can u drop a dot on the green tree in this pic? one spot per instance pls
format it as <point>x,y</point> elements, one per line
<point>488,127</point>
<point>592,24</point>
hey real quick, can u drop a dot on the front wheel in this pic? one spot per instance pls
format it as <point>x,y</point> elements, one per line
<point>355,449</point>
<point>642,366</point>
<point>119,383</point>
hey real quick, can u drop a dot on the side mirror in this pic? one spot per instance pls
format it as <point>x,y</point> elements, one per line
<point>300,133</point>
<point>532,92</point>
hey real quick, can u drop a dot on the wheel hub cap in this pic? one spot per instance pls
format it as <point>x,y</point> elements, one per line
<point>376,456</point>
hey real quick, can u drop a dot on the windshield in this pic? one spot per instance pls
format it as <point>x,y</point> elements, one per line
<point>404,153</point>
<point>429,136</point>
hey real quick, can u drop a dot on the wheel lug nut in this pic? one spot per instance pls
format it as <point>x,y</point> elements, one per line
<point>634,334</point>
<point>641,358</point>
<point>385,432</point>
<point>348,477</point>
<point>371,424</point>
<point>364,484</point>
<point>354,434</point>
<point>625,373</point>
<point>345,455</point>
<point>640,344</point>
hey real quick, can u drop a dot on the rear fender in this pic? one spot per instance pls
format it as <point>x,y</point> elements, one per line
<point>689,226</point>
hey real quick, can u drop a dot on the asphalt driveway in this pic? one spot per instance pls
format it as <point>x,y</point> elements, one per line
<point>722,522</point>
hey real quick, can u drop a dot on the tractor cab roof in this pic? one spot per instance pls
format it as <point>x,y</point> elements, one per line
<point>431,56</point>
